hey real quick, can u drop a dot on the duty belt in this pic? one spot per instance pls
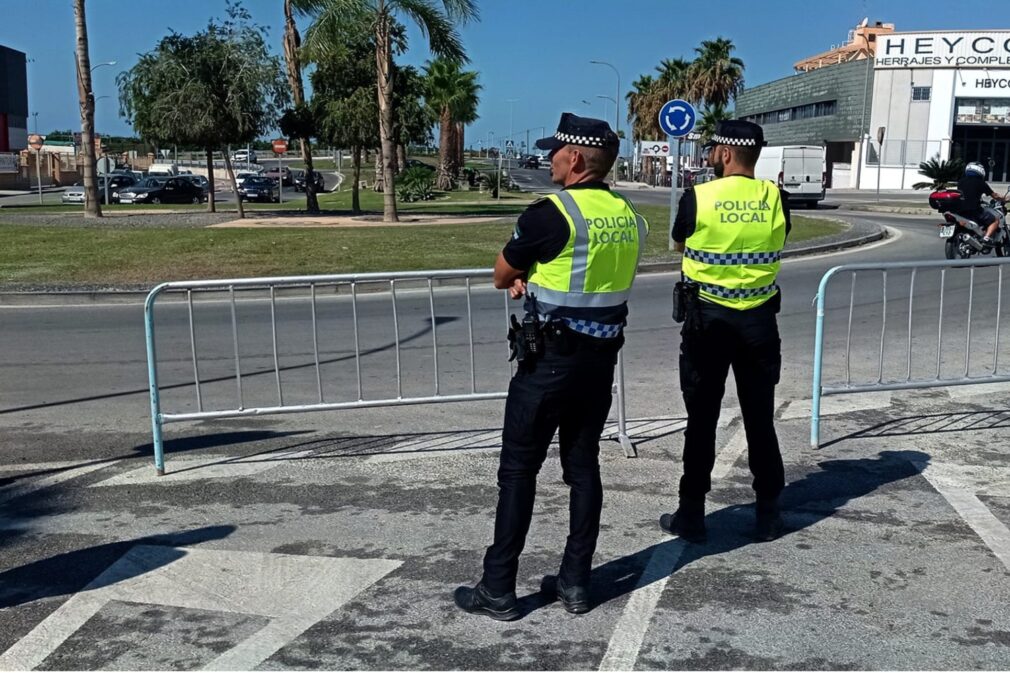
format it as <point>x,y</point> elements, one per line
<point>589,327</point>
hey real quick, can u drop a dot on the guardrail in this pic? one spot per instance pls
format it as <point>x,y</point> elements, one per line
<point>911,350</point>
<point>344,296</point>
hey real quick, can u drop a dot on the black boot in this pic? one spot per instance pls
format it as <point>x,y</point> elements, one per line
<point>768,524</point>
<point>574,598</point>
<point>688,522</point>
<point>477,601</point>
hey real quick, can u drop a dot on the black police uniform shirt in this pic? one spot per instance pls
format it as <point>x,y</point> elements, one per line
<point>540,235</point>
<point>973,188</point>
<point>687,213</point>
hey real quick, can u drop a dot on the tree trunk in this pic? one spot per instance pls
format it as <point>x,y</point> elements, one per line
<point>355,185</point>
<point>460,144</point>
<point>291,43</point>
<point>377,186</point>
<point>211,204</point>
<point>446,152</point>
<point>401,158</point>
<point>383,62</point>
<point>92,206</point>
<point>234,185</point>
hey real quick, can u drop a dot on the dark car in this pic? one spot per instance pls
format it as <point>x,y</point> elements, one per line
<point>163,190</point>
<point>317,180</point>
<point>283,173</point>
<point>200,181</point>
<point>414,163</point>
<point>529,161</point>
<point>259,188</point>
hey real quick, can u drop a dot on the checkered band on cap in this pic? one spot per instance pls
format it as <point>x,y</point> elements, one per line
<point>723,140</point>
<point>579,140</point>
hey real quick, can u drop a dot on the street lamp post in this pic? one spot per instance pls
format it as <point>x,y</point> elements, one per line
<point>511,138</point>
<point>35,115</point>
<point>96,67</point>
<point>617,110</point>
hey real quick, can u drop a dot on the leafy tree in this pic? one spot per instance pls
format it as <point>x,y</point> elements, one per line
<point>716,76</point>
<point>436,20</point>
<point>92,208</point>
<point>216,88</point>
<point>412,118</point>
<point>292,58</point>
<point>451,93</point>
<point>940,173</point>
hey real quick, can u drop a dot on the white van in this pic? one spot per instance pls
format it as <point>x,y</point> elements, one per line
<point>799,169</point>
<point>162,170</point>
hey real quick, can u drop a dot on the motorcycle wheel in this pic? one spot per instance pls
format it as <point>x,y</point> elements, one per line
<point>950,248</point>
<point>1001,250</point>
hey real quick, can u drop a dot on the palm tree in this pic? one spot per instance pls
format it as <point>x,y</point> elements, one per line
<point>710,118</point>
<point>716,76</point>
<point>92,207</point>
<point>436,20</point>
<point>451,93</point>
<point>292,43</point>
<point>636,106</point>
<point>940,173</point>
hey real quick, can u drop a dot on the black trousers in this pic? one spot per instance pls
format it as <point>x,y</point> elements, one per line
<point>748,341</point>
<point>567,391</point>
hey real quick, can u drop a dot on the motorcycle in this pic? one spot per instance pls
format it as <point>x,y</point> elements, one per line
<point>963,236</point>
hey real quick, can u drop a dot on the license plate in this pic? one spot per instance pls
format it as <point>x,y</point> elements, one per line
<point>122,200</point>
<point>947,231</point>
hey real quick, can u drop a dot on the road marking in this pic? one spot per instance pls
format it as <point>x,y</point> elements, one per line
<point>629,633</point>
<point>978,390</point>
<point>214,467</point>
<point>18,489</point>
<point>626,641</point>
<point>990,529</point>
<point>838,404</point>
<point>294,592</point>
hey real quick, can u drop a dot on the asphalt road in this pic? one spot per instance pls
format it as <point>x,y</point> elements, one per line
<point>333,540</point>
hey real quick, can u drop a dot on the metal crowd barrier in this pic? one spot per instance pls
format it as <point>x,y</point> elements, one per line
<point>348,284</point>
<point>907,362</point>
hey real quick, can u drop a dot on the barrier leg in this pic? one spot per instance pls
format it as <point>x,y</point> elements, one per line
<point>815,400</point>
<point>152,377</point>
<point>622,419</point>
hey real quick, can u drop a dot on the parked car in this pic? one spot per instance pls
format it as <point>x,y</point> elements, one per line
<point>317,180</point>
<point>415,163</point>
<point>244,157</point>
<point>545,160</point>
<point>283,173</point>
<point>163,190</point>
<point>75,193</point>
<point>241,177</point>
<point>259,188</point>
<point>200,181</point>
<point>529,161</point>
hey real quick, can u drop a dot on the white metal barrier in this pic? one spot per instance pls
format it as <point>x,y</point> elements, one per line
<point>346,292</point>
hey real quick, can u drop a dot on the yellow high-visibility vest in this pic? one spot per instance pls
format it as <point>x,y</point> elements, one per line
<point>737,243</point>
<point>595,270</point>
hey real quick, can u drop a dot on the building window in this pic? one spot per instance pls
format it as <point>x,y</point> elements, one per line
<point>921,92</point>
<point>808,111</point>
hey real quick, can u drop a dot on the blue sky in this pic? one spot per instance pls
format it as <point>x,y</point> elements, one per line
<point>537,53</point>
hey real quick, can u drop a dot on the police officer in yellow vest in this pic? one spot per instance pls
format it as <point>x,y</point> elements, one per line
<point>573,256</point>
<point>731,231</point>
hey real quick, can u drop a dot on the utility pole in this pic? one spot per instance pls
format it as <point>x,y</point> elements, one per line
<point>617,111</point>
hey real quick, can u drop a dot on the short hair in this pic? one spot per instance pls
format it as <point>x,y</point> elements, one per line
<point>746,155</point>
<point>599,160</point>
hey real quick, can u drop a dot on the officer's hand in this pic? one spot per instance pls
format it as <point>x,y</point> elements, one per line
<point>518,288</point>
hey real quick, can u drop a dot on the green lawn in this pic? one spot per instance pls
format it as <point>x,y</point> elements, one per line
<point>78,255</point>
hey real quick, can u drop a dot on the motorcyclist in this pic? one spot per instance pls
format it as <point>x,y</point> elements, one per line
<point>973,187</point>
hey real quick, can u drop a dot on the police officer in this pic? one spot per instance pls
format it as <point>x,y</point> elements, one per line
<point>731,231</point>
<point>573,255</point>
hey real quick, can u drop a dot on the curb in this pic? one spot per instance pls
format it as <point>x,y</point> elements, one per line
<point>114,296</point>
<point>894,210</point>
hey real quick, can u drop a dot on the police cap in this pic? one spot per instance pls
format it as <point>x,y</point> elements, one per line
<point>585,131</point>
<point>737,132</point>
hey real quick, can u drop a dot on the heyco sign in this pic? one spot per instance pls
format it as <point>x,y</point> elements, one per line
<point>280,146</point>
<point>989,49</point>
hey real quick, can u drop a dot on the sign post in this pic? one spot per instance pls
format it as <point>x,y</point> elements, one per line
<point>676,118</point>
<point>280,146</point>
<point>35,141</point>
<point>880,157</point>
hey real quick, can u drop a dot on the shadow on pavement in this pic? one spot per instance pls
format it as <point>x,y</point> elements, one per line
<point>70,572</point>
<point>927,424</point>
<point>806,502</point>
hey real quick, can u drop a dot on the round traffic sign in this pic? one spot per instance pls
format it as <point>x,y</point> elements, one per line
<point>677,118</point>
<point>280,146</point>
<point>35,141</point>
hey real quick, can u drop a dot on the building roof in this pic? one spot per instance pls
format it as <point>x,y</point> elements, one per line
<point>862,43</point>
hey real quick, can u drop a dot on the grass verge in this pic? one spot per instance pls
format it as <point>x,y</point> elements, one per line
<point>67,256</point>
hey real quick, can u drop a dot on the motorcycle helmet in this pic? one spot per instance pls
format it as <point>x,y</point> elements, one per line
<point>975,168</point>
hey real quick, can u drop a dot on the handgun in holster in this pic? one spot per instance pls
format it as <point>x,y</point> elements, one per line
<point>687,305</point>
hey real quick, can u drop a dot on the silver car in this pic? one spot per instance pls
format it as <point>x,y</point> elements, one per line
<point>74,194</point>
